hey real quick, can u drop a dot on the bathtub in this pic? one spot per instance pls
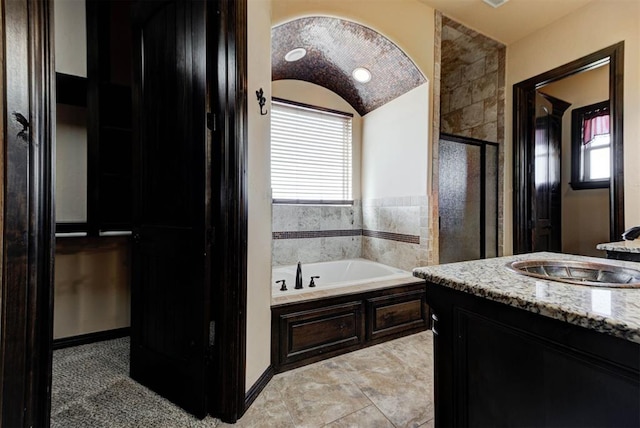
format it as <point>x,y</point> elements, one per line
<point>356,303</point>
<point>336,274</point>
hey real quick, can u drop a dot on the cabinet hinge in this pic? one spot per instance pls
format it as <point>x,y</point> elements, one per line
<point>209,350</point>
<point>212,333</point>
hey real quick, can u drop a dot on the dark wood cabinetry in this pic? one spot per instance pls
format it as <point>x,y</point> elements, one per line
<point>496,365</point>
<point>621,255</point>
<point>390,315</point>
<point>109,68</point>
<point>106,95</point>
<point>310,331</point>
<point>317,332</point>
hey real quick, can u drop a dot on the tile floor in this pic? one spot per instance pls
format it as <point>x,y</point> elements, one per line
<point>387,385</point>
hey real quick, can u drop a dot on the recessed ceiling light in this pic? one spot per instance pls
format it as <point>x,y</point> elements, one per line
<point>495,3</point>
<point>295,54</point>
<point>361,74</point>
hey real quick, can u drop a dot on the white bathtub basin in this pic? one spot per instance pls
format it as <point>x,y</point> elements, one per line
<point>341,273</point>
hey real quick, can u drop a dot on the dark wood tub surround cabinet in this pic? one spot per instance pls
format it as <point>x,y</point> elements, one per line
<point>496,365</point>
<point>306,332</point>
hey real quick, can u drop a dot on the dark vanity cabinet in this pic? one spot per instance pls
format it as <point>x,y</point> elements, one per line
<point>625,256</point>
<point>496,365</point>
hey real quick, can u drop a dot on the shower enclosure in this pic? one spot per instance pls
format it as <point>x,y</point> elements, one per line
<point>468,199</point>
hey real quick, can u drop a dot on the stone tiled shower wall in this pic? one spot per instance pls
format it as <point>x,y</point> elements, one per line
<point>472,83</point>
<point>392,231</point>
<point>316,233</point>
<point>470,70</point>
<point>395,231</point>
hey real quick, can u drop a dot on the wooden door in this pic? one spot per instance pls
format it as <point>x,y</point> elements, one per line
<point>170,288</point>
<point>546,174</point>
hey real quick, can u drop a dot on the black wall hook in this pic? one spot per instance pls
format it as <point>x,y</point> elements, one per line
<point>261,101</point>
<point>24,133</point>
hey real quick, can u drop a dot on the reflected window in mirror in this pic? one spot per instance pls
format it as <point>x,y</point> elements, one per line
<point>590,147</point>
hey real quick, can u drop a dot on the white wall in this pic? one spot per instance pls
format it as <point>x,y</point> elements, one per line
<point>92,280</point>
<point>70,42</point>
<point>70,37</point>
<point>585,213</point>
<point>71,164</point>
<point>395,139</point>
<point>259,188</point>
<point>593,27</point>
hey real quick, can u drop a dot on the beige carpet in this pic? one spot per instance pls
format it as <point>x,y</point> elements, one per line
<point>91,388</point>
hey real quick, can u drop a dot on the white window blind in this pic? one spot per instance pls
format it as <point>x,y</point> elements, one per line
<point>310,155</point>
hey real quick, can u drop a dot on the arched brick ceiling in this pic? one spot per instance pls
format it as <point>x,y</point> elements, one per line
<point>336,47</point>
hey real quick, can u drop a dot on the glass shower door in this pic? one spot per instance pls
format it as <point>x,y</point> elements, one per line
<point>468,199</point>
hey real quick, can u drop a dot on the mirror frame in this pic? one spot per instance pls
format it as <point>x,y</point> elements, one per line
<point>523,137</point>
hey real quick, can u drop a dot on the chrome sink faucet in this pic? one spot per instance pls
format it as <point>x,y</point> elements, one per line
<point>299,277</point>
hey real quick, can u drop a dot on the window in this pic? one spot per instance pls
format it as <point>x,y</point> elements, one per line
<point>310,154</point>
<point>590,147</point>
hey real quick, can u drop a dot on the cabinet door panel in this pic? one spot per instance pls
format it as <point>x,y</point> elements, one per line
<point>394,314</point>
<point>514,378</point>
<point>607,396</point>
<point>501,386</point>
<point>316,332</point>
<point>323,332</point>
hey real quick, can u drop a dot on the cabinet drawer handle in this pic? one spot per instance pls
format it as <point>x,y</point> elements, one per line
<point>434,321</point>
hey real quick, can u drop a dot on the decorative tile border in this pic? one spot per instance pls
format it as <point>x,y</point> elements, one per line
<point>301,234</point>
<point>409,239</point>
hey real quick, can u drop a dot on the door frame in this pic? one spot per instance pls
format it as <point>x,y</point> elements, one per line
<point>28,230</point>
<point>27,217</point>
<point>230,210</point>
<point>523,137</point>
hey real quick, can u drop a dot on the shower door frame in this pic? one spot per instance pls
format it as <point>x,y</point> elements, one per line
<point>483,185</point>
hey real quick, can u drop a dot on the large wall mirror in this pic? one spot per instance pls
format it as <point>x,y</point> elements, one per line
<point>534,219</point>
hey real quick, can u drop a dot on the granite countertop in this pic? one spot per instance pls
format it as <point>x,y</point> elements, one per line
<point>622,246</point>
<point>614,311</point>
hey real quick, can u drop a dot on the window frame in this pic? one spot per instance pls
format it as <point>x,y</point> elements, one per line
<point>280,201</point>
<point>577,120</point>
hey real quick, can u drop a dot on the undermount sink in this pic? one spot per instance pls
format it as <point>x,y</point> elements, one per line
<point>582,273</point>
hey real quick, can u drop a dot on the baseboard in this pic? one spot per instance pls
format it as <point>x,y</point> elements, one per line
<point>84,339</point>
<point>257,387</point>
